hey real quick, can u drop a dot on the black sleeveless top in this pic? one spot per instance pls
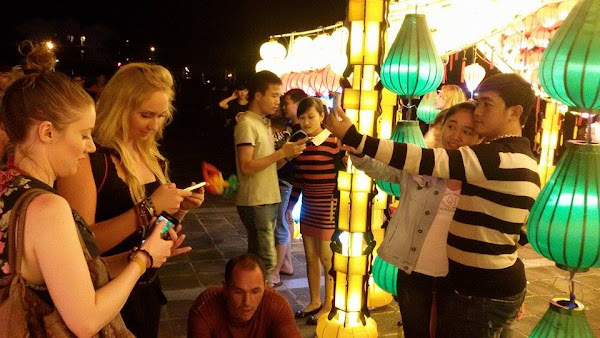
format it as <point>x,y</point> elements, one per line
<point>113,196</point>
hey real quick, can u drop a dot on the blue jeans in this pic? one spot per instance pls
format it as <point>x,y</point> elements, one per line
<point>259,222</point>
<point>282,228</point>
<point>471,316</point>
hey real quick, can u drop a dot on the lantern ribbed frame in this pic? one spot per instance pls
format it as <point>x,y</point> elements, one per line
<point>564,223</point>
<point>413,66</point>
<point>405,132</point>
<point>570,66</point>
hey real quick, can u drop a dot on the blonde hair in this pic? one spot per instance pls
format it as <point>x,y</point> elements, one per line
<point>452,95</point>
<point>125,92</point>
<point>39,94</point>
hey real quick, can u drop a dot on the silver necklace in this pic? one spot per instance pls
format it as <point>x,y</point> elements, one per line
<point>504,136</point>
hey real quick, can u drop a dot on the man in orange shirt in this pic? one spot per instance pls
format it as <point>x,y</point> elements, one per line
<point>243,307</point>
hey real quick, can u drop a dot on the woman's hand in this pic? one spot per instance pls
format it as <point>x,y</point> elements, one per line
<point>157,247</point>
<point>192,201</point>
<point>178,239</point>
<point>288,217</point>
<point>168,198</point>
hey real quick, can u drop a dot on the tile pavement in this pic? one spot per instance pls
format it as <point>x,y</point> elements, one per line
<point>216,234</point>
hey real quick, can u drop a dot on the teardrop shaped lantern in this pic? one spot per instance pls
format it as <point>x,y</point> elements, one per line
<point>474,74</point>
<point>405,132</point>
<point>412,67</point>
<point>561,320</point>
<point>564,224</point>
<point>570,66</point>
<point>426,111</point>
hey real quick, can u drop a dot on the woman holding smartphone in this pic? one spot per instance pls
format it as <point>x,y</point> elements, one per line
<point>316,179</point>
<point>50,119</point>
<point>125,184</point>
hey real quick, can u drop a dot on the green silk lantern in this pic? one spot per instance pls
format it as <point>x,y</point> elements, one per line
<point>405,132</point>
<point>412,67</point>
<point>385,275</point>
<point>560,320</point>
<point>570,66</point>
<point>564,223</point>
<point>426,111</point>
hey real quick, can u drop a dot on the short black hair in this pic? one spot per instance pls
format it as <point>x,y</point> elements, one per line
<point>513,89</point>
<point>468,106</point>
<point>295,94</point>
<point>248,261</point>
<point>241,86</point>
<point>260,82</point>
<point>310,102</point>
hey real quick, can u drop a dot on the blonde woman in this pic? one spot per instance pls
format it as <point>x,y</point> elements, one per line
<point>448,96</point>
<point>125,184</point>
<point>49,119</point>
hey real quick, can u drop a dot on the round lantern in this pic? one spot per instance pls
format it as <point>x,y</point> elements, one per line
<point>426,111</point>
<point>385,275</point>
<point>262,65</point>
<point>564,224</point>
<point>548,16</point>
<point>564,8</point>
<point>474,74</point>
<point>412,67</point>
<point>541,37</point>
<point>272,50</point>
<point>405,132</point>
<point>570,66</point>
<point>338,64</point>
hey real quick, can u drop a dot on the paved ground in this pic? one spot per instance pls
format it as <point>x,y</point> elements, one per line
<point>216,234</point>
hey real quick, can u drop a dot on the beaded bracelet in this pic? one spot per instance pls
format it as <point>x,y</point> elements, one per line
<point>144,251</point>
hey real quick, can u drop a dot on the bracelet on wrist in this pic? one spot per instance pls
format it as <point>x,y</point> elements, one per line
<point>140,262</point>
<point>145,252</point>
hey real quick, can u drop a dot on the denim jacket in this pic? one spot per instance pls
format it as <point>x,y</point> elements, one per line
<point>418,204</point>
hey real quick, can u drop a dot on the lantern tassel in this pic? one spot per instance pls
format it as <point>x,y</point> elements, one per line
<point>445,74</point>
<point>462,72</point>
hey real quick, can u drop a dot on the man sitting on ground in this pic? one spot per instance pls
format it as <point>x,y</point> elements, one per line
<point>243,307</point>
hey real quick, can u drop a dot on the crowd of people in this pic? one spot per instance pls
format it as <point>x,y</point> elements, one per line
<point>90,242</point>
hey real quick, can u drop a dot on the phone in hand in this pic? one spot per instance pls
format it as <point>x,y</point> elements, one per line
<point>170,223</point>
<point>195,186</point>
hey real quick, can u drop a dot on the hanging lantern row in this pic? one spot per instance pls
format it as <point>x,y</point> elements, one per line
<point>316,82</point>
<point>306,54</point>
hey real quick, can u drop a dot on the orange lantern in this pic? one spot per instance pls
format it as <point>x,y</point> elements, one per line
<point>530,23</point>
<point>541,37</point>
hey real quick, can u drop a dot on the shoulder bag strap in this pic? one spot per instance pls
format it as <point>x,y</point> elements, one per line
<point>16,228</point>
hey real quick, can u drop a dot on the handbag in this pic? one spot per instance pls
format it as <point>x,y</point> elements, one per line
<point>23,313</point>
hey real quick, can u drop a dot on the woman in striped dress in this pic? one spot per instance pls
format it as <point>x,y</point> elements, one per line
<point>316,179</point>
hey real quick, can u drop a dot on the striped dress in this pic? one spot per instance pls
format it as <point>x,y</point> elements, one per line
<point>316,179</point>
<point>500,183</point>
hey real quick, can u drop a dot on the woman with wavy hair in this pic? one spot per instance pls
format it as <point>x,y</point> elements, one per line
<point>49,120</point>
<point>125,184</point>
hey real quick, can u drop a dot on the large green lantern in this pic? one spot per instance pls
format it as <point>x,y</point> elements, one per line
<point>563,320</point>
<point>412,67</point>
<point>405,132</point>
<point>564,224</point>
<point>570,66</point>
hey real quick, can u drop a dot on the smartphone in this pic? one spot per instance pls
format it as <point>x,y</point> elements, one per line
<point>195,186</point>
<point>336,100</point>
<point>170,223</point>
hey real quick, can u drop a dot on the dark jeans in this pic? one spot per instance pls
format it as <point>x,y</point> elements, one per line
<point>471,316</point>
<point>415,298</point>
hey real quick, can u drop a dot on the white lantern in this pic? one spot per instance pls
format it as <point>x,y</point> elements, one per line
<point>338,64</point>
<point>272,50</point>
<point>474,74</point>
<point>262,65</point>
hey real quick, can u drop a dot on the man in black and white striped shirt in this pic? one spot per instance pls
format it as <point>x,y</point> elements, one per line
<point>500,182</point>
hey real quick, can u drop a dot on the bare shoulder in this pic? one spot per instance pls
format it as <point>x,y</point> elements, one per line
<point>49,208</point>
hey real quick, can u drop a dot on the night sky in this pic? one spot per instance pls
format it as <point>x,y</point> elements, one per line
<point>211,35</point>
